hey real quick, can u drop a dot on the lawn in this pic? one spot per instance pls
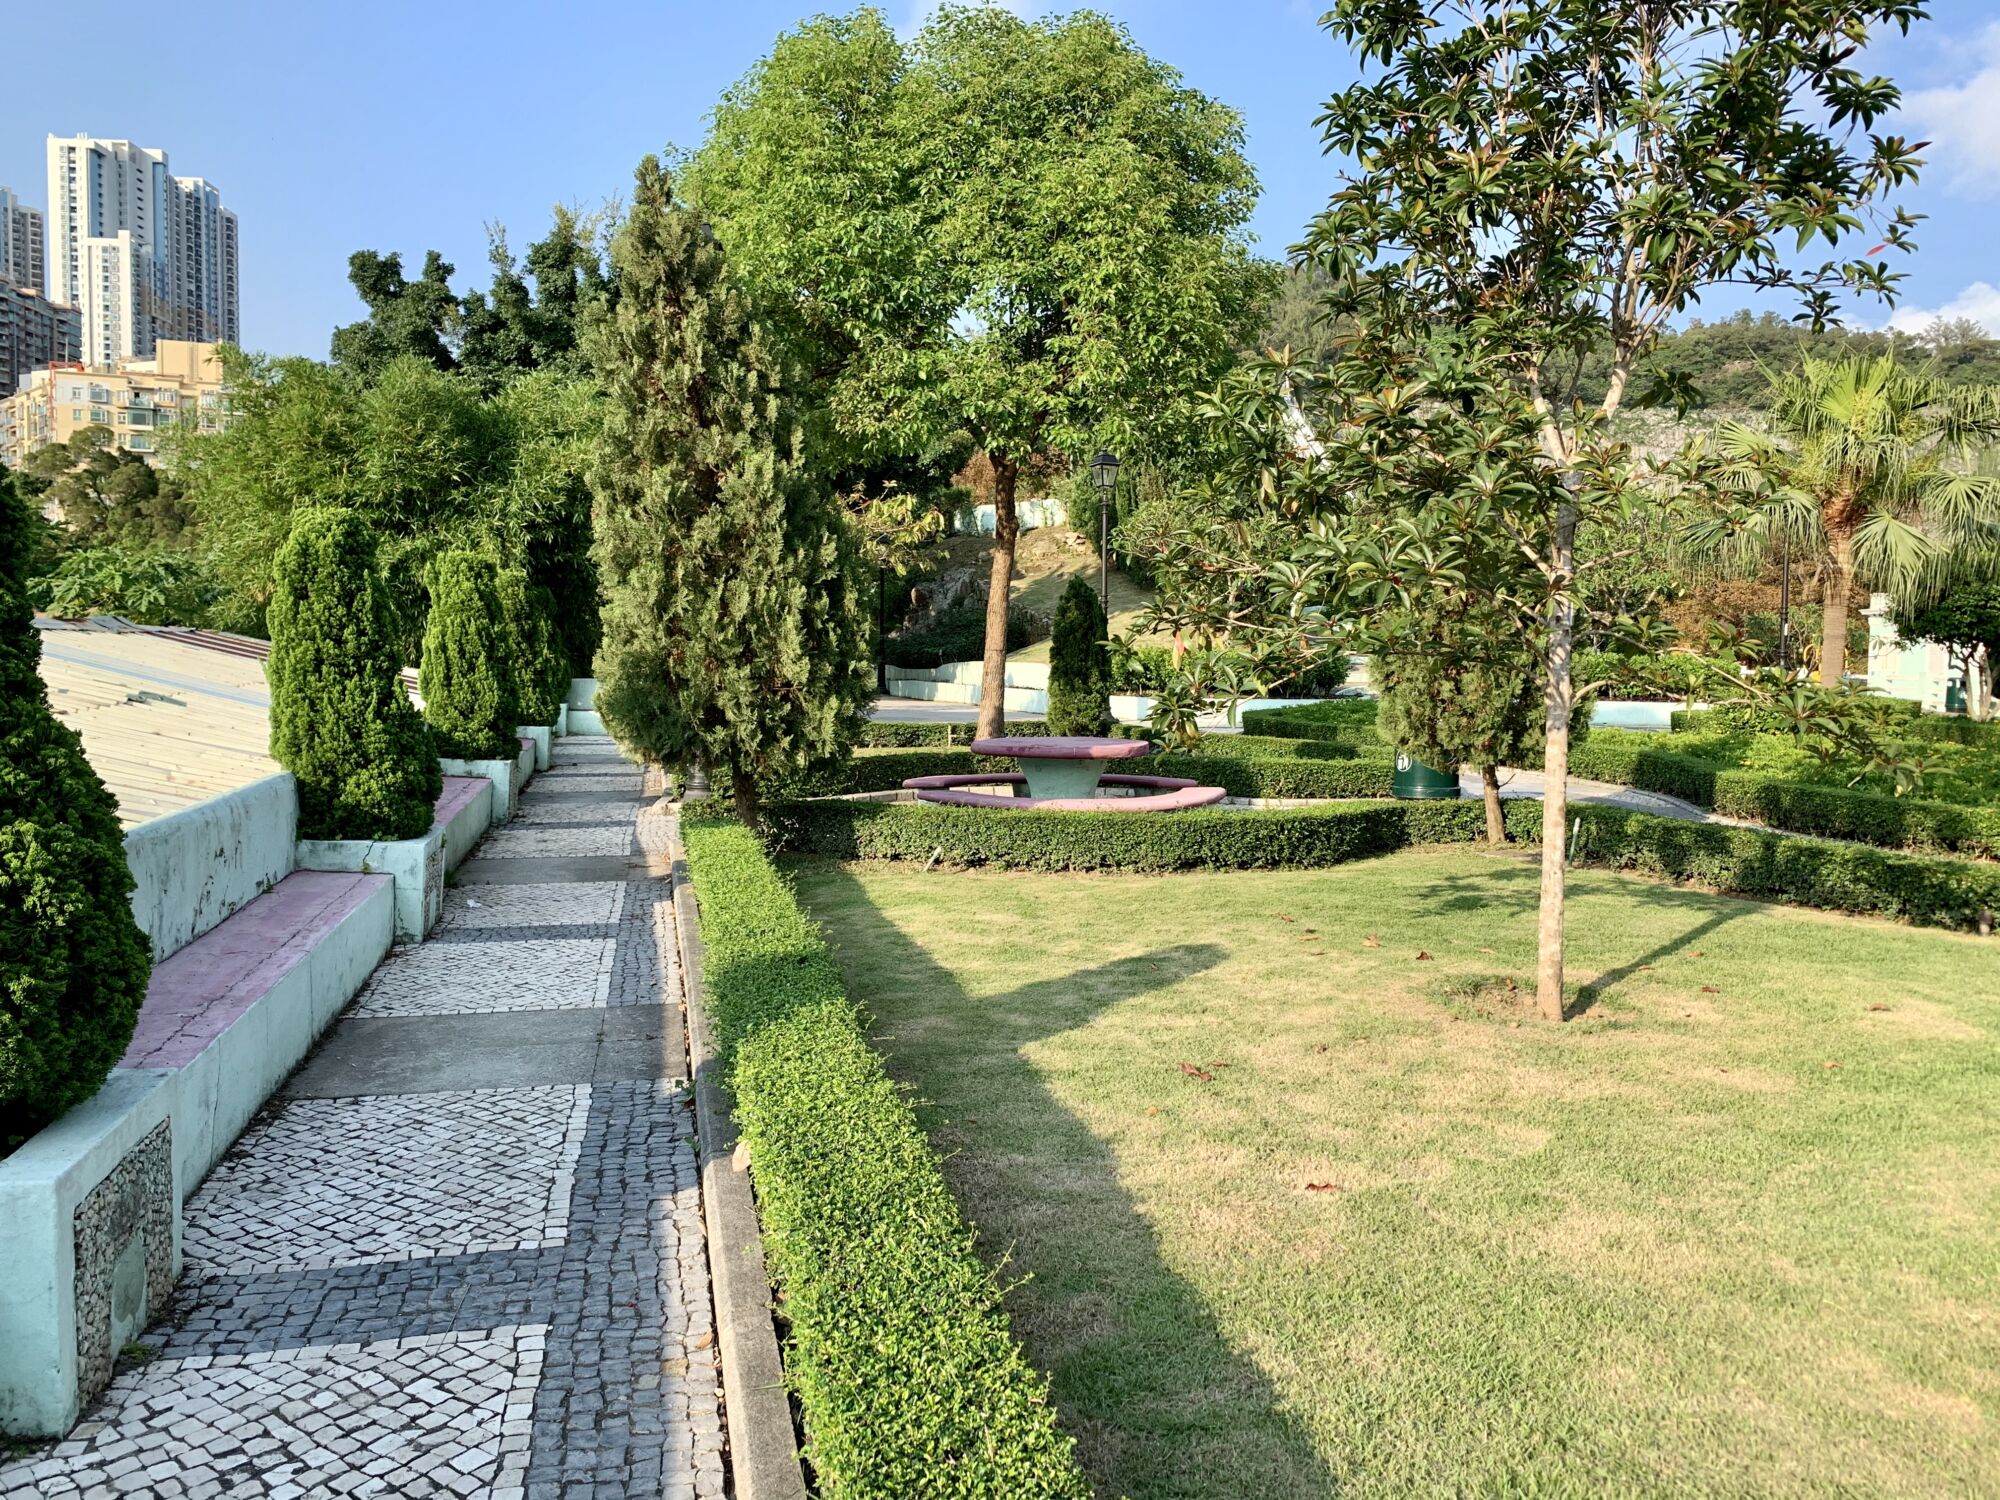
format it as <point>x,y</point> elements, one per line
<point>1307,1205</point>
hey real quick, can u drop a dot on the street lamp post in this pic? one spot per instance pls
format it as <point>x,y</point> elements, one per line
<point>1104,473</point>
<point>1785,602</point>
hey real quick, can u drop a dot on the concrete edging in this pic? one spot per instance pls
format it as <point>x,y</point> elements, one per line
<point>763,1445</point>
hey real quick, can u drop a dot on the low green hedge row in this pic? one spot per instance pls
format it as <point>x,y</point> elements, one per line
<point>1201,839</point>
<point>898,1352</point>
<point>1643,766</point>
<point>1349,719</point>
<point>1866,817</point>
<point>1240,776</point>
<point>1282,747</point>
<point>1742,861</point>
<point>883,734</point>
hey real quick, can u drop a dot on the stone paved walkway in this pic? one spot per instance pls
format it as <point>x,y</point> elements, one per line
<point>462,1253</point>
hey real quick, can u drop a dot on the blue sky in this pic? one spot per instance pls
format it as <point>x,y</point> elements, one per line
<point>405,127</point>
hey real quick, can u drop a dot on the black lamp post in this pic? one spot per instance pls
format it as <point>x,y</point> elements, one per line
<point>882,615</point>
<point>1104,473</point>
<point>1785,601</point>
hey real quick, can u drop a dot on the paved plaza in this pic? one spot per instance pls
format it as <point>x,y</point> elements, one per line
<point>460,1254</point>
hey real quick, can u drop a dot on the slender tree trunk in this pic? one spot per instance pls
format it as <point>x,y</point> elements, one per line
<point>1833,608</point>
<point>1000,587</point>
<point>1555,774</point>
<point>1978,684</point>
<point>743,792</point>
<point>1496,820</point>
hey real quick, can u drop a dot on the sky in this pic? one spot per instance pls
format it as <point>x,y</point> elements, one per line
<point>396,126</point>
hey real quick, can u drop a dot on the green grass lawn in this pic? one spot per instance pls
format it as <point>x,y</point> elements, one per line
<point>1735,1231</point>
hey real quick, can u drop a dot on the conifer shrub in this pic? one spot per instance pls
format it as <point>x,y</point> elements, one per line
<point>467,677</point>
<point>541,666</point>
<point>73,962</point>
<point>341,721</point>
<point>1079,664</point>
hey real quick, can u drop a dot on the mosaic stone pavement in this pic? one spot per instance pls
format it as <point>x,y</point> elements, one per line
<point>446,1289</point>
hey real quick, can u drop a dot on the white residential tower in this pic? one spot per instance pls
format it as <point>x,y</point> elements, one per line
<point>144,254</point>
<point>20,243</point>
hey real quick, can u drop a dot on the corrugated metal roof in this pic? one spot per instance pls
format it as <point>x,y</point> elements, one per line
<point>168,717</point>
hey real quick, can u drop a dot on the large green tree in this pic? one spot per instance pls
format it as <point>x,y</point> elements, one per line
<point>531,316</point>
<point>734,630</point>
<point>1029,232</point>
<point>407,316</point>
<point>73,963</point>
<point>1964,617</point>
<point>1548,178</point>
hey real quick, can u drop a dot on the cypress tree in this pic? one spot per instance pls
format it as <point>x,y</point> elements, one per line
<point>734,629</point>
<point>73,962</point>
<point>541,671</point>
<point>1079,664</point>
<point>340,720</point>
<point>467,675</point>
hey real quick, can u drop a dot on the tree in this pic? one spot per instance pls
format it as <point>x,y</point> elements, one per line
<point>734,626</point>
<point>106,495</point>
<point>405,317</point>
<point>540,514</point>
<point>1548,177</point>
<point>341,721</point>
<point>1079,664</point>
<point>1025,231</point>
<point>150,588</point>
<point>1867,468</point>
<point>467,675</point>
<point>541,674</point>
<point>520,326</point>
<point>1965,619</point>
<point>73,962</point>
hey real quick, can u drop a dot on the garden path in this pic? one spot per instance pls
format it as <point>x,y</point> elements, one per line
<point>461,1253</point>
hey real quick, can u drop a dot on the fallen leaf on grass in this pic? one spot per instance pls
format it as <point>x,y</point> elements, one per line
<point>1512,986</point>
<point>1320,1048</point>
<point>1283,918</point>
<point>1324,1187</point>
<point>1695,954</point>
<point>1878,1005</point>
<point>1709,989</point>
<point>1422,956</point>
<point>1198,1074</point>
<point>1489,950</point>
<point>1645,966</point>
<point>1152,1109</point>
<point>1831,1063</point>
<point>1371,941</point>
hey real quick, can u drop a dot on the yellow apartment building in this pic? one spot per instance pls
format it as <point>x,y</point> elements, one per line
<point>137,399</point>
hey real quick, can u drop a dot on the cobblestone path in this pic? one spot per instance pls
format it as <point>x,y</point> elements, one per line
<point>461,1254</point>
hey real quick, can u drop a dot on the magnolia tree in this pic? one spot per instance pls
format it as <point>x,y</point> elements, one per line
<point>1556,179</point>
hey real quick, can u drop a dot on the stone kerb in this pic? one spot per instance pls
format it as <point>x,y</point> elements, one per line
<point>541,734</point>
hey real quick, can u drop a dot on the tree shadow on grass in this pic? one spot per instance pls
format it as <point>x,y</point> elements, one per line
<point>1518,893</point>
<point>1162,1405</point>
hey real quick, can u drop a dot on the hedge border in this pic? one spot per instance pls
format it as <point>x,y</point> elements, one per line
<point>1254,775</point>
<point>899,1352</point>
<point>1733,860</point>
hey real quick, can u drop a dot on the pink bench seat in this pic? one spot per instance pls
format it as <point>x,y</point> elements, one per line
<point>1177,800</point>
<point>199,992</point>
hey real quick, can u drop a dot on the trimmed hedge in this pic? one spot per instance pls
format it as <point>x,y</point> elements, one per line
<point>1347,719</point>
<point>884,734</point>
<point>467,674</point>
<point>1279,747</point>
<point>1739,861</point>
<point>1647,768</point>
<point>898,1350</point>
<point>1866,817</point>
<point>1240,776</point>
<point>1204,839</point>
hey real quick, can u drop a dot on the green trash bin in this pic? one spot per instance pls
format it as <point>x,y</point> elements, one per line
<point>1954,696</point>
<point>1416,782</point>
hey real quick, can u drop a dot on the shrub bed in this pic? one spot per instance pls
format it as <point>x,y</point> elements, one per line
<point>897,1349</point>
<point>1204,839</point>
<point>1240,776</point>
<point>1740,861</point>
<point>881,734</point>
<point>1348,719</point>
<point>1866,817</point>
<point>1602,758</point>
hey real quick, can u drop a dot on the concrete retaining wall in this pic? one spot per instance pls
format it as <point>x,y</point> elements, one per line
<point>196,866</point>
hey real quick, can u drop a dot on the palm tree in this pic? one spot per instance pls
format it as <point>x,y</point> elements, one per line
<point>1868,466</point>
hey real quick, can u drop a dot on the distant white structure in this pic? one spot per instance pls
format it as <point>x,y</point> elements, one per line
<point>144,255</point>
<point>1923,670</point>
<point>21,244</point>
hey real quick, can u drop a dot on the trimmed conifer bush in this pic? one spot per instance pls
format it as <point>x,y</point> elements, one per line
<point>467,676</point>
<point>1079,664</point>
<point>73,962</point>
<point>541,668</point>
<point>340,720</point>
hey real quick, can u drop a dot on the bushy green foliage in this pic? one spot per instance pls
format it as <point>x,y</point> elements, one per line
<point>1865,817</point>
<point>147,586</point>
<point>1079,664</point>
<point>957,634</point>
<point>341,721</point>
<point>73,963</point>
<point>882,734</point>
<point>1648,763</point>
<point>467,677</point>
<point>540,669</point>
<point>734,612</point>
<point>1323,771</point>
<point>898,1351</point>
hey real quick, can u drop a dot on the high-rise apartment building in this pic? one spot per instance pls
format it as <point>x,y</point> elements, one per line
<point>21,243</point>
<point>144,255</point>
<point>34,334</point>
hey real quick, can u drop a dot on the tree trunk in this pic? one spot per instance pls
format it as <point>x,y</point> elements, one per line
<point>1496,821</point>
<point>743,792</point>
<point>1978,684</point>
<point>1833,607</point>
<point>1000,587</point>
<point>1555,774</point>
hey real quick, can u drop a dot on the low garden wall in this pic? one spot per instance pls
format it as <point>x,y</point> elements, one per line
<point>194,867</point>
<point>580,714</point>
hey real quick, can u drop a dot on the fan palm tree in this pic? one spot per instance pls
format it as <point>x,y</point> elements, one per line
<point>1870,467</point>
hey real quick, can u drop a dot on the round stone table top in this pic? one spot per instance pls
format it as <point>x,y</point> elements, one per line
<point>1062,747</point>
